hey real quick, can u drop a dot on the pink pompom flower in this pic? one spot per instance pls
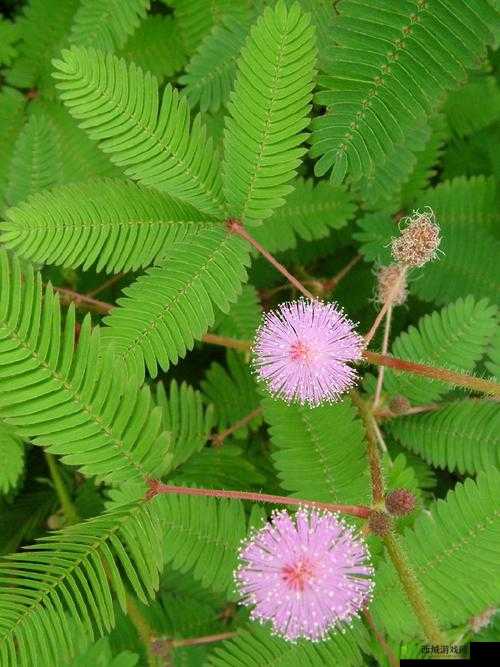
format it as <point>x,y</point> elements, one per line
<point>302,351</point>
<point>305,574</point>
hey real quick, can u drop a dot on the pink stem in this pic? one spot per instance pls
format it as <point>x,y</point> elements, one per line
<point>156,487</point>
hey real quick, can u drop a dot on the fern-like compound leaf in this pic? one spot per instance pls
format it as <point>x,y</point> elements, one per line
<point>455,338</point>
<point>156,47</point>
<point>451,549</point>
<point>106,24</point>
<point>319,453</point>
<point>74,400</point>
<point>68,577</point>
<point>195,18</point>
<point>233,393</point>
<point>202,536</point>
<point>36,163</point>
<point>172,305</point>
<point>115,224</point>
<point>462,436</point>
<point>37,46</point>
<point>210,73</point>
<point>185,419</point>
<point>268,112</point>
<point>12,457</point>
<point>391,65</point>
<point>119,106</point>
<point>256,646</point>
<point>243,317</point>
<point>12,117</point>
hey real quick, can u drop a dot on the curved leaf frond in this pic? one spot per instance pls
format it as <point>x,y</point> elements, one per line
<point>454,337</point>
<point>68,577</point>
<point>172,305</point>
<point>268,112</point>
<point>118,105</point>
<point>210,73</point>
<point>36,162</point>
<point>12,457</point>
<point>331,439</point>
<point>76,401</point>
<point>462,436</point>
<point>391,65</point>
<point>106,24</point>
<point>117,225</point>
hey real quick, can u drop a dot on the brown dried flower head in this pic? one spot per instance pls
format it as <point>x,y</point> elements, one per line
<point>391,285</point>
<point>419,240</point>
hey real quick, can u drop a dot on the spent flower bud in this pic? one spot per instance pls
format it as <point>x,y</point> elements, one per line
<point>418,242</point>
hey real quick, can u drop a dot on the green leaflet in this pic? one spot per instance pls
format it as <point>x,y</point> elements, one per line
<point>156,47</point>
<point>75,401</point>
<point>462,436</point>
<point>243,317</point>
<point>454,338</point>
<point>452,551</point>
<point>185,418</point>
<point>68,577</point>
<point>202,535</point>
<point>12,108</point>
<point>319,453</point>
<point>309,213</point>
<point>172,305</point>
<point>390,67</point>
<point>210,73</point>
<point>195,18</point>
<point>157,143</point>
<point>37,47</point>
<point>106,24</point>
<point>8,38</point>
<point>36,162</point>
<point>465,115</point>
<point>12,457</point>
<point>233,393</point>
<point>115,224</point>
<point>255,647</point>
<point>268,112</point>
<point>80,159</point>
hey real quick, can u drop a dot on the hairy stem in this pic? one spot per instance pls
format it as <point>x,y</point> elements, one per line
<point>376,475</point>
<point>237,228</point>
<point>391,656</point>
<point>143,630</point>
<point>156,487</point>
<point>413,591</point>
<point>207,639</point>
<point>69,510</point>
<point>218,438</point>
<point>450,377</point>
<point>381,369</point>
<point>387,305</point>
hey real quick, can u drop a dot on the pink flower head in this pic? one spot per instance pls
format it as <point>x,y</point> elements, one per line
<point>302,349</point>
<point>305,574</point>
